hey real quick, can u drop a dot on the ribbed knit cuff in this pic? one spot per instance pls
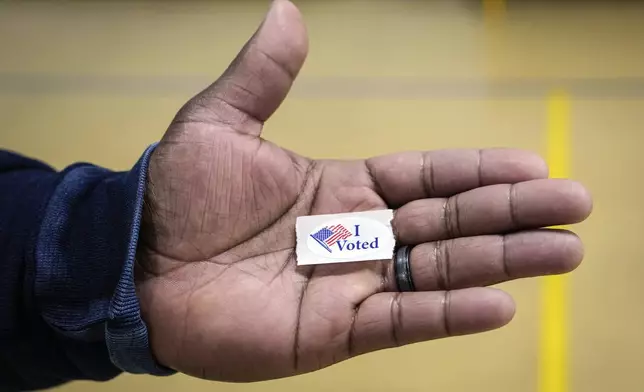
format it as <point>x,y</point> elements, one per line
<point>126,333</point>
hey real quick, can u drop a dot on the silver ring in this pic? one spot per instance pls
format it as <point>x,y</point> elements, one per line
<point>402,269</point>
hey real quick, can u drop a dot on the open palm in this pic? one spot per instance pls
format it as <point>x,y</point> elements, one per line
<point>217,276</point>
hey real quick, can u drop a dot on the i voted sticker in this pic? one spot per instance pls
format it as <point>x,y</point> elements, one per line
<point>349,237</point>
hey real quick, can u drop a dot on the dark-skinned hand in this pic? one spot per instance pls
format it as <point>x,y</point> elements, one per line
<point>217,277</point>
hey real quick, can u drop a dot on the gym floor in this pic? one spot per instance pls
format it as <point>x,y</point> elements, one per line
<point>98,81</point>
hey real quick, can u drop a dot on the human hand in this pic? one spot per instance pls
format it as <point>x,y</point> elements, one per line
<point>217,277</point>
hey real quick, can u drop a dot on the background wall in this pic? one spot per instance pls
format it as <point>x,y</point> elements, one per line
<point>99,81</point>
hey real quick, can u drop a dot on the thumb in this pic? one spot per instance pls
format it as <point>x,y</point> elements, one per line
<point>259,78</point>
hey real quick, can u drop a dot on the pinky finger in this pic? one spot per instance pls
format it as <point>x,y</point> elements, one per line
<point>387,320</point>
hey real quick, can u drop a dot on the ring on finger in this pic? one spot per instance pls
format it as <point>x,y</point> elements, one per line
<point>402,269</point>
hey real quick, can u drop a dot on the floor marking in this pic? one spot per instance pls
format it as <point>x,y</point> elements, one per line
<point>553,364</point>
<point>494,10</point>
<point>494,15</point>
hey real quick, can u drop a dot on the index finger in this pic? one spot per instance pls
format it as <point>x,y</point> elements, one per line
<point>403,177</point>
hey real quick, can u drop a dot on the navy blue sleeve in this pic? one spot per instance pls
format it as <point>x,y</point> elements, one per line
<point>68,306</point>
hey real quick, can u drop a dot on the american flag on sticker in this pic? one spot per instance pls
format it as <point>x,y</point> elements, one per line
<point>328,236</point>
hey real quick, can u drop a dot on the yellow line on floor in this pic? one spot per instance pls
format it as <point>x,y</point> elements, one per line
<point>493,13</point>
<point>494,10</point>
<point>553,364</point>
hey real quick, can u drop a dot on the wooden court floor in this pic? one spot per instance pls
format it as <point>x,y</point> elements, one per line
<point>99,81</point>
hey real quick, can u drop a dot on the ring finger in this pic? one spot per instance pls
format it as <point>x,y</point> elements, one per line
<point>487,260</point>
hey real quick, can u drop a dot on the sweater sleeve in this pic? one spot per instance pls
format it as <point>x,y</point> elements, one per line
<point>68,305</point>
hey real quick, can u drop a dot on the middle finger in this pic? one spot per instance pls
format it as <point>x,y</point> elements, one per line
<point>492,209</point>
